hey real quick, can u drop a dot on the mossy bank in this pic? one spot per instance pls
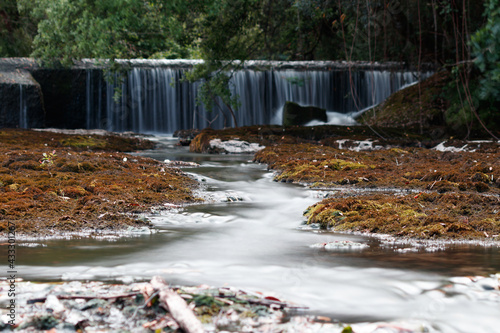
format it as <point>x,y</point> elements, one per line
<point>428,193</point>
<point>53,183</point>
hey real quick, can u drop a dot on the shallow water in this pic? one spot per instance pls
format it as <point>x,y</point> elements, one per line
<point>256,242</point>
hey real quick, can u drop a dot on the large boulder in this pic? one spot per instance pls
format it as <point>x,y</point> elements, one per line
<point>295,114</point>
<point>21,100</point>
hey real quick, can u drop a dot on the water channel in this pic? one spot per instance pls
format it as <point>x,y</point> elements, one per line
<point>252,237</point>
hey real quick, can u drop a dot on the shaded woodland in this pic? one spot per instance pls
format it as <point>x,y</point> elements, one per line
<point>460,37</point>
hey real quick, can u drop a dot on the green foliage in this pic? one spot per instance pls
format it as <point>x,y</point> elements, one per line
<point>48,159</point>
<point>109,29</point>
<point>15,31</point>
<point>465,104</point>
<point>206,300</point>
<point>347,329</point>
<point>238,29</point>
<point>229,32</point>
<point>214,91</point>
<point>295,80</point>
<point>486,48</point>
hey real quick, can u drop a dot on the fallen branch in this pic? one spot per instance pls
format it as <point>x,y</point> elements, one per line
<point>177,307</point>
<point>43,299</point>
<point>263,301</point>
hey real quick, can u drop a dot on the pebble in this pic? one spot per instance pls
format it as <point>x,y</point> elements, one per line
<point>340,245</point>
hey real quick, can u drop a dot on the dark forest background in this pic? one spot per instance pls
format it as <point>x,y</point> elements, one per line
<point>460,37</point>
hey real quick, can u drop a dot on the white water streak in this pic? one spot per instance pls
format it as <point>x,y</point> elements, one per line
<point>156,99</point>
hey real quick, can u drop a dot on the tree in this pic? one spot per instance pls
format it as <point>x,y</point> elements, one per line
<point>229,32</point>
<point>16,31</point>
<point>486,48</point>
<point>112,29</point>
<point>233,31</point>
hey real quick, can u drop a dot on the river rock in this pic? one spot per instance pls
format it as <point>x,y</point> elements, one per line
<point>295,114</point>
<point>340,245</point>
<point>233,147</point>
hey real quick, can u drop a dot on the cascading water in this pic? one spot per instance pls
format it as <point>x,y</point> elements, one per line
<point>157,100</point>
<point>23,108</point>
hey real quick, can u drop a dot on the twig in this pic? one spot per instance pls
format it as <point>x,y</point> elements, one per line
<point>144,305</point>
<point>430,188</point>
<point>263,301</point>
<point>43,299</point>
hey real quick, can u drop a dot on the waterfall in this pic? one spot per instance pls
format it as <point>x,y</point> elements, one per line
<point>157,100</point>
<point>23,108</point>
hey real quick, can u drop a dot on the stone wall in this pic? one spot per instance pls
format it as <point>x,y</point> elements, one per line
<point>21,100</point>
<point>35,96</point>
<point>32,96</point>
<point>64,93</point>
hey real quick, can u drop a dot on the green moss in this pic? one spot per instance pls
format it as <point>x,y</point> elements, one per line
<point>424,216</point>
<point>411,106</point>
<point>338,164</point>
<point>85,142</point>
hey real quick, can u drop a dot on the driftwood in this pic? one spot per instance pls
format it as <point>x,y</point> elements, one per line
<point>177,307</point>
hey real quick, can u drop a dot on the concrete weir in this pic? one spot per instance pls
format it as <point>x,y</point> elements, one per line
<point>150,95</point>
<point>21,99</point>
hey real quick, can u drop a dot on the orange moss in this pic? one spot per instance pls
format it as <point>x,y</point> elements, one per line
<point>270,135</point>
<point>412,168</point>
<point>429,215</point>
<point>80,189</point>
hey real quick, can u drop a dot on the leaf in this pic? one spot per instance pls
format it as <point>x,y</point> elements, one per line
<point>271,298</point>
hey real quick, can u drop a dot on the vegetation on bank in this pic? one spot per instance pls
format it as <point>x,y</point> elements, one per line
<point>271,135</point>
<point>438,106</point>
<point>429,215</point>
<point>427,193</point>
<point>397,186</point>
<point>409,168</point>
<point>52,182</point>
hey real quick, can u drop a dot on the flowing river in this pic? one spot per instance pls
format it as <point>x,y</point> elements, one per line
<point>252,236</point>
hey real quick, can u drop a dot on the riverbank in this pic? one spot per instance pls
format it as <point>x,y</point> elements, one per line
<point>102,307</point>
<point>404,186</point>
<point>54,184</point>
<point>429,193</point>
<point>180,255</point>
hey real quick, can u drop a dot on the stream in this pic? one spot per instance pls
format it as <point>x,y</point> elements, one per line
<point>252,236</point>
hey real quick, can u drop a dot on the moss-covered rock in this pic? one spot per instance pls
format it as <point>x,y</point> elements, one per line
<point>421,104</point>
